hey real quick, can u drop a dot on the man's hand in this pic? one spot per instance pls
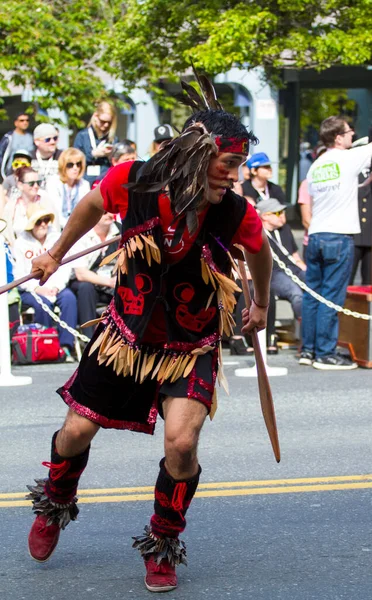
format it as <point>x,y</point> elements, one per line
<point>43,267</point>
<point>254,318</point>
<point>46,291</point>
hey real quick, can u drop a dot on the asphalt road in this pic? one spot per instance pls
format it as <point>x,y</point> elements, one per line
<point>257,530</point>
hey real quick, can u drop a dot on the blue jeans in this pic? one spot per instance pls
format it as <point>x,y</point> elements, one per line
<point>329,260</point>
<point>66,301</point>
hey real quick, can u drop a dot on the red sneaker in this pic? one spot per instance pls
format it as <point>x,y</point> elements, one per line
<point>42,539</point>
<point>160,578</point>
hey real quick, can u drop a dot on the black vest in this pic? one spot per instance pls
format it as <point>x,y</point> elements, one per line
<point>180,287</point>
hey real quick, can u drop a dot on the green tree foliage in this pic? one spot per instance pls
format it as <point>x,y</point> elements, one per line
<point>54,47</point>
<point>157,38</point>
<point>59,47</point>
<point>316,105</point>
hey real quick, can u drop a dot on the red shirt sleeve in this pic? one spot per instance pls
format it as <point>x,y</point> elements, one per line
<point>249,233</point>
<point>113,190</point>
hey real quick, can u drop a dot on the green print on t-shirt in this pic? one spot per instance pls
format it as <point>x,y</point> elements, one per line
<point>326,172</point>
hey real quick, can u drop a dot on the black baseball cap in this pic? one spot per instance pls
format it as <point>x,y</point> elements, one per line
<point>163,132</point>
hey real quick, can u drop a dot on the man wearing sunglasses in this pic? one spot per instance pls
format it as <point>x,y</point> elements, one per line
<point>15,140</point>
<point>45,157</point>
<point>333,186</point>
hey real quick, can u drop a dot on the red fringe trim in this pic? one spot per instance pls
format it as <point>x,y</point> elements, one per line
<point>146,226</point>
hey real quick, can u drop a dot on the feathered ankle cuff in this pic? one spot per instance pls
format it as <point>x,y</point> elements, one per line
<point>57,512</point>
<point>171,549</point>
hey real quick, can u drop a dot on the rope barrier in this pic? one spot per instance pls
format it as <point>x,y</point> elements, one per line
<point>56,318</point>
<point>329,303</point>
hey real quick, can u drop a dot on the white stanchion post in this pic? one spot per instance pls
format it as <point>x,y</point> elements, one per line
<point>271,371</point>
<point>6,377</point>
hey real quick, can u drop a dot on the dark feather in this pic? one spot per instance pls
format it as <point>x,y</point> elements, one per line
<point>181,166</point>
<point>209,93</point>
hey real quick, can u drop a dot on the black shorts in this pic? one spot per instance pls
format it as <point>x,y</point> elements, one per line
<point>113,401</point>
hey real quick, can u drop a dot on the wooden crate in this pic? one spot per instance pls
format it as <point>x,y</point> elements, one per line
<point>356,334</point>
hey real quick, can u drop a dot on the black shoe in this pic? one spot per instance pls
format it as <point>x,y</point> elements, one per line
<point>238,347</point>
<point>306,358</point>
<point>335,362</point>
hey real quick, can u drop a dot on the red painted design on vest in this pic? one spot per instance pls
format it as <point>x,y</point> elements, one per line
<point>134,305</point>
<point>194,322</point>
<point>184,292</point>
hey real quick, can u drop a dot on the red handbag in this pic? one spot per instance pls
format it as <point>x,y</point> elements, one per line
<point>36,344</point>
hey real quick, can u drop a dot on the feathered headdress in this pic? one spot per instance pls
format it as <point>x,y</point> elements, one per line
<point>181,164</point>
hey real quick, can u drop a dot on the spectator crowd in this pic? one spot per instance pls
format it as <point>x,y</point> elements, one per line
<point>42,183</point>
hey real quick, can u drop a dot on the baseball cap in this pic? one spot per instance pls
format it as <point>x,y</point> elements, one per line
<point>22,152</point>
<point>270,205</point>
<point>36,211</point>
<point>44,130</point>
<point>260,159</point>
<point>163,132</point>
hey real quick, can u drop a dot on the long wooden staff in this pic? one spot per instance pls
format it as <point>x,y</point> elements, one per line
<point>266,398</point>
<point>16,282</point>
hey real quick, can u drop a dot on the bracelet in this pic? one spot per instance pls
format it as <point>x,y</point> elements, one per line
<point>55,260</point>
<point>260,305</point>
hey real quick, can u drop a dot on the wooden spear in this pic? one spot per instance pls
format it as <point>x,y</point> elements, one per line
<point>16,282</point>
<point>266,399</point>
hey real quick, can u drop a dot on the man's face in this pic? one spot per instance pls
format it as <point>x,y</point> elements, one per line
<point>124,158</point>
<point>22,122</point>
<point>345,139</point>
<point>223,172</point>
<point>265,172</point>
<point>47,145</point>
<point>273,220</point>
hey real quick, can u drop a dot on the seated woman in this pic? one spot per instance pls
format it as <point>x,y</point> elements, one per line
<point>15,209</point>
<point>37,237</point>
<point>68,187</point>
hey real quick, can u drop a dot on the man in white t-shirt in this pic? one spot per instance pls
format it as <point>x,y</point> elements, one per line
<point>333,186</point>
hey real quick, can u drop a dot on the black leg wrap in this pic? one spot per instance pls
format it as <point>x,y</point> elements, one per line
<point>55,497</point>
<point>172,499</point>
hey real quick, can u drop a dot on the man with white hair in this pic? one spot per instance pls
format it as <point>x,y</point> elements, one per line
<point>45,157</point>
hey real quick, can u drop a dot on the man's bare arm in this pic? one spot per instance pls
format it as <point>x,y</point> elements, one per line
<point>305,215</point>
<point>260,266</point>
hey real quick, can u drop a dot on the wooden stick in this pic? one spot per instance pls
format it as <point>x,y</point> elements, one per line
<point>266,399</point>
<point>16,282</point>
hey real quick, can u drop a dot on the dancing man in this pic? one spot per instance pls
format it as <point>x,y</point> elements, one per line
<point>157,348</point>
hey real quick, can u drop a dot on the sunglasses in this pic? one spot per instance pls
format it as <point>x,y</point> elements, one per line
<point>348,131</point>
<point>277,213</point>
<point>45,220</point>
<point>18,163</point>
<point>47,140</point>
<point>32,183</point>
<point>78,164</point>
<point>102,122</point>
